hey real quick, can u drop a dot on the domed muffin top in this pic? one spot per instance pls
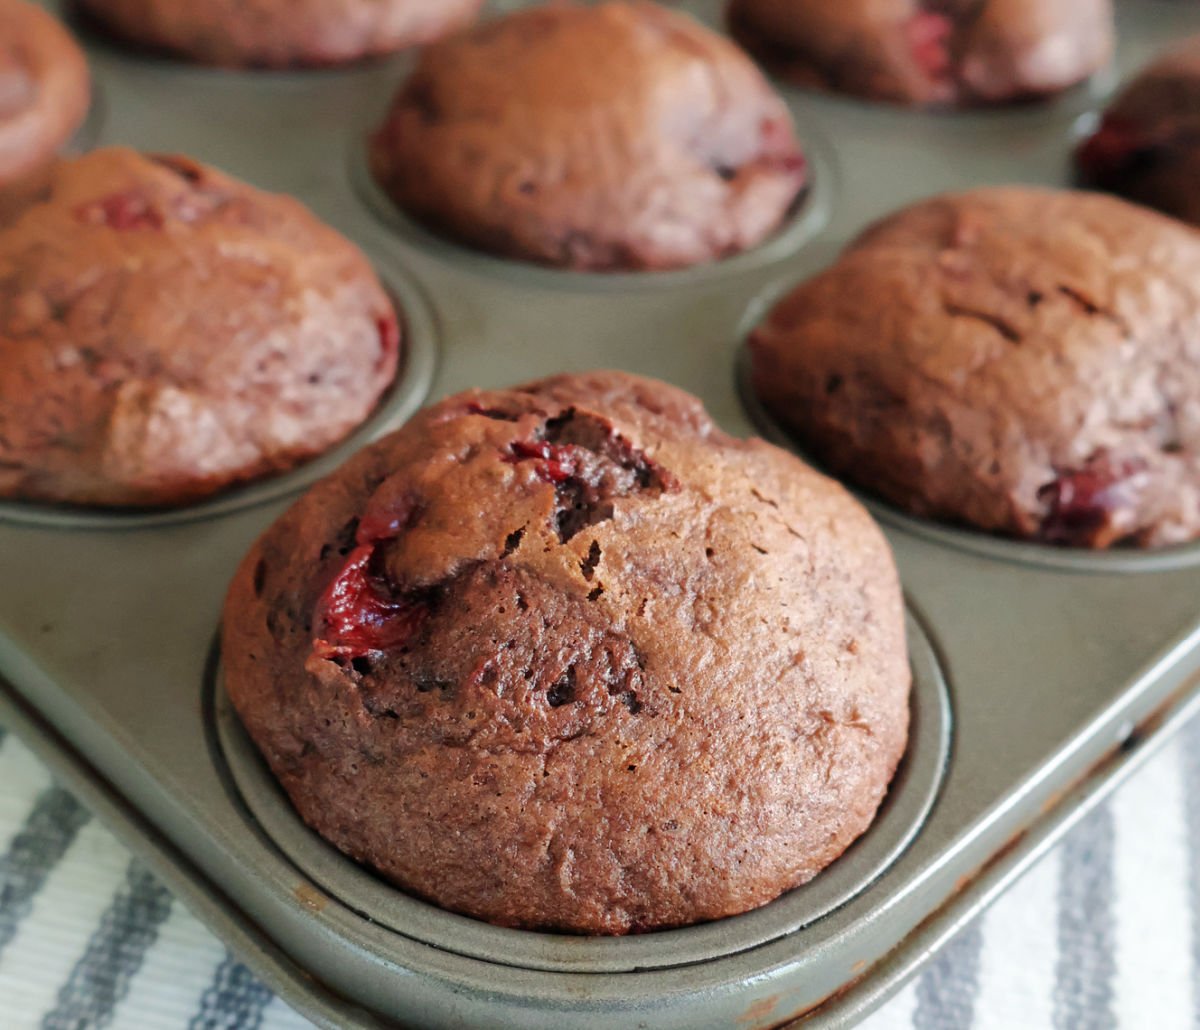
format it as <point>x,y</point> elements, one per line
<point>1027,364</point>
<point>619,135</point>
<point>568,657</point>
<point>166,331</point>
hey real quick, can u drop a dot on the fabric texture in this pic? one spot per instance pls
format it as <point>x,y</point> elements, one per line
<point>1104,933</point>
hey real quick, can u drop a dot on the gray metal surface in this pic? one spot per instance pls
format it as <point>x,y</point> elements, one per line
<point>1051,659</point>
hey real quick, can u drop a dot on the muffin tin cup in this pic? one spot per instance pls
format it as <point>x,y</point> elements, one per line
<point>399,402</point>
<point>1061,669</point>
<point>805,221</point>
<point>904,810</point>
<point>1116,560</point>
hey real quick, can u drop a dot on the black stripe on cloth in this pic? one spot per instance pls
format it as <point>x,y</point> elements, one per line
<point>948,988</point>
<point>39,845</point>
<point>114,954</point>
<point>1191,793</point>
<point>234,1000</point>
<point>1086,967</point>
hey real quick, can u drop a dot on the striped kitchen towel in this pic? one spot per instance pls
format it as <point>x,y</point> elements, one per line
<point>1103,933</point>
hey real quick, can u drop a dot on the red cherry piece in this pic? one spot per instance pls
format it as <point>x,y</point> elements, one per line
<point>1082,503</point>
<point>125,212</point>
<point>356,615</point>
<point>389,337</point>
<point>555,463</point>
<point>929,35</point>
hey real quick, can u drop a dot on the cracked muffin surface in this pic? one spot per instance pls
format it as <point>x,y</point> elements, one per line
<point>44,91</point>
<point>618,136</point>
<point>167,331</point>
<point>933,53</point>
<point>1147,146</point>
<point>567,657</point>
<point>280,33</point>
<point>1036,382</point>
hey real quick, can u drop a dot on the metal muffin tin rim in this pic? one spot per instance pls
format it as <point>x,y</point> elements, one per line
<point>802,224</point>
<point>995,547</point>
<point>910,799</point>
<point>407,392</point>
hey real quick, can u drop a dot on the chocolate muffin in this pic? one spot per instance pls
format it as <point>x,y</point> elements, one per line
<point>1027,364</point>
<point>166,331</point>
<point>618,136</point>
<point>280,33</point>
<point>932,53</point>
<point>44,92</point>
<point>567,657</point>
<point>1147,147</point>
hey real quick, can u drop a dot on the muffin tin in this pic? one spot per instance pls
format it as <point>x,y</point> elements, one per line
<point>1042,676</point>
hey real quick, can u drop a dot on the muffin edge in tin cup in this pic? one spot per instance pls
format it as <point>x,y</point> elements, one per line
<point>407,392</point>
<point>962,538</point>
<point>696,166</point>
<point>803,224</point>
<point>906,807</point>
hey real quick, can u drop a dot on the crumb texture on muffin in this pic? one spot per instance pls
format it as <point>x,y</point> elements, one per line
<point>280,33</point>
<point>1147,146</point>
<point>567,657</point>
<point>616,136</point>
<point>166,331</point>
<point>44,91</point>
<point>928,52</point>
<point>1041,384</point>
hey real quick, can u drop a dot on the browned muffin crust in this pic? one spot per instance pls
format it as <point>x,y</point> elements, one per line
<point>1037,382</point>
<point>166,331</point>
<point>567,657</point>
<point>933,53</point>
<point>617,136</point>
<point>280,33</point>
<point>1147,148</point>
<point>44,91</point>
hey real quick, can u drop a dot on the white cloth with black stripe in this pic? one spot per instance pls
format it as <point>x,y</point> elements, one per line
<point>1103,934</point>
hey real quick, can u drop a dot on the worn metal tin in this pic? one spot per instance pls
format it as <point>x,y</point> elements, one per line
<point>1042,675</point>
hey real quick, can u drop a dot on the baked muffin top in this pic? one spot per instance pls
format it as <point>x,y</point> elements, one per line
<point>936,53</point>
<point>566,656</point>
<point>1147,147</point>
<point>280,33</point>
<point>166,331</point>
<point>1042,384</point>
<point>619,135</point>
<point>44,89</point>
